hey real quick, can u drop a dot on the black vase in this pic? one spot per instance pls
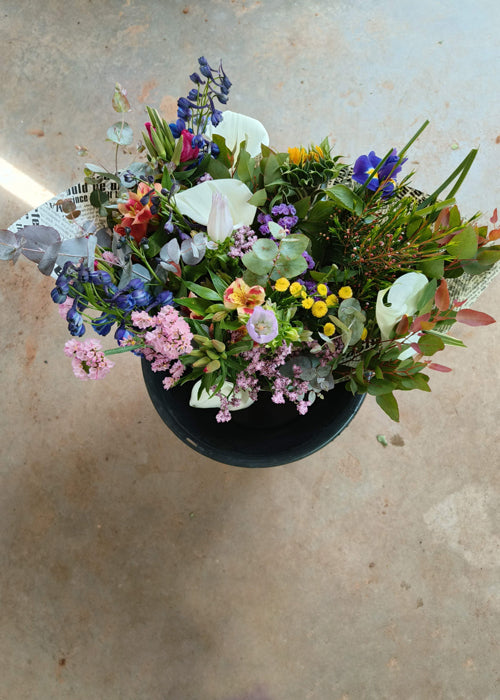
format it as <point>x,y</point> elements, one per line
<point>263,435</point>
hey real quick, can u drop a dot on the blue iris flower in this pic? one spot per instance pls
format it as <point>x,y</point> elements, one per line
<point>386,175</point>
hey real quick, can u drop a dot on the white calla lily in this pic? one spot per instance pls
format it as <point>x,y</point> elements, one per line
<point>402,297</point>
<point>196,202</point>
<point>207,401</point>
<point>236,128</point>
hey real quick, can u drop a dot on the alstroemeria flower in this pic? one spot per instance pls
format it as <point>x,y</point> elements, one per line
<point>236,128</point>
<point>188,152</point>
<point>402,297</point>
<point>385,177</point>
<point>196,202</point>
<point>262,326</point>
<point>242,297</point>
<point>137,211</point>
<point>220,221</point>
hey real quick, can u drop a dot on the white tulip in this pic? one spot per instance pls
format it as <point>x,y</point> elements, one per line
<point>220,222</point>
<point>236,128</point>
<point>208,401</point>
<point>196,202</point>
<point>402,297</point>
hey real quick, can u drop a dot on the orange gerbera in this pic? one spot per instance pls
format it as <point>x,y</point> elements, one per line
<point>137,212</point>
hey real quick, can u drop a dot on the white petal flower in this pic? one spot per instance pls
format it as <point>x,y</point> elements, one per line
<point>402,297</point>
<point>196,202</point>
<point>207,401</point>
<point>236,128</point>
<point>220,222</point>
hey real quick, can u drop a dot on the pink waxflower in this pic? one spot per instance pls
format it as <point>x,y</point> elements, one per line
<point>88,359</point>
<point>188,152</point>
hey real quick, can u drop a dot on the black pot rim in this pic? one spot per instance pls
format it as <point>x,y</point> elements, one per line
<point>249,440</point>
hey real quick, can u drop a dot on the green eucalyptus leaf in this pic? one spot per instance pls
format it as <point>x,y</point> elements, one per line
<point>259,198</point>
<point>430,344</point>
<point>293,245</point>
<point>433,268</point>
<point>265,249</point>
<point>289,268</point>
<point>120,133</point>
<point>256,264</point>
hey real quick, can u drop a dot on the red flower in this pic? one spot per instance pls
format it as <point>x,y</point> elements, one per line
<point>137,212</point>
<point>188,152</point>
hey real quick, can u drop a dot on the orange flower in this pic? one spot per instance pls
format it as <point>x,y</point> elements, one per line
<point>137,211</point>
<point>242,297</point>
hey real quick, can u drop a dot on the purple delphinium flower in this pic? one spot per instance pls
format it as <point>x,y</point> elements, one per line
<point>262,325</point>
<point>385,177</point>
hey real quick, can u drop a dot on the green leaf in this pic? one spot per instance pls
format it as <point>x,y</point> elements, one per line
<point>258,198</point>
<point>120,102</point>
<point>199,306</point>
<point>426,296</point>
<point>289,268</point>
<point>265,249</point>
<point>388,403</point>
<point>345,198</point>
<point>430,344</point>
<point>464,245</point>
<point>255,264</point>
<point>219,284</point>
<point>488,255</point>
<point>433,268</point>
<point>241,346</point>
<point>203,292</point>
<point>120,133</point>
<point>380,386</point>
<point>98,199</point>
<point>447,339</point>
<point>302,207</point>
<point>293,245</point>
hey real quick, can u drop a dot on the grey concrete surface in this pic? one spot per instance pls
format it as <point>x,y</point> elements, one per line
<point>133,568</point>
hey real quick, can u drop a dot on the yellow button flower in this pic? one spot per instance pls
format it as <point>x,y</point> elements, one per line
<point>329,329</point>
<point>295,289</point>
<point>319,309</point>
<point>345,293</point>
<point>322,290</point>
<point>282,284</point>
<point>364,334</point>
<point>307,302</point>
<point>331,300</point>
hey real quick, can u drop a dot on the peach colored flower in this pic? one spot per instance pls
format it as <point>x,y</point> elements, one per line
<point>242,297</point>
<point>137,211</point>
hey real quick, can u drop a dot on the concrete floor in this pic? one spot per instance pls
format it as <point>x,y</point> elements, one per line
<point>133,568</point>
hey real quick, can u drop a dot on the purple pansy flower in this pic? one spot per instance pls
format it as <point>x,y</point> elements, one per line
<point>262,325</point>
<point>385,177</point>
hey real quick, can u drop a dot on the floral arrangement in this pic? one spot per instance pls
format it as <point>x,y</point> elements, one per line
<point>239,268</point>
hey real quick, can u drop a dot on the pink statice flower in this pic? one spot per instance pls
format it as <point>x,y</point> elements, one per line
<point>88,359</point>
<point>167,337</point>
<point>109,257</point>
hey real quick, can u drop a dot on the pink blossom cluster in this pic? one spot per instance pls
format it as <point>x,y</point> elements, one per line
<point>88,359</point>
<point>167,338</point>
<point>283,388</point>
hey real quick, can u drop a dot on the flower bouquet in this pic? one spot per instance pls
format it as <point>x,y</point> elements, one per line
<point>236,268</point>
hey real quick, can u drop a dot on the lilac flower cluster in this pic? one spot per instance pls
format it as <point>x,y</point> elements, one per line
<point>243,238</point>
<point>284,215</point>
<point>261,364</point>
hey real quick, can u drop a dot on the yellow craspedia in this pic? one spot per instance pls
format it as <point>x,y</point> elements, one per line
<point>364,334</point>
<point>319,309</point>
<point>295,289</point>
<point>329,329</point>
<point>307,302</point>
<point>345,292</point>
<point>322,290</point>
<point>282,284</point>
<point>331,300</point>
